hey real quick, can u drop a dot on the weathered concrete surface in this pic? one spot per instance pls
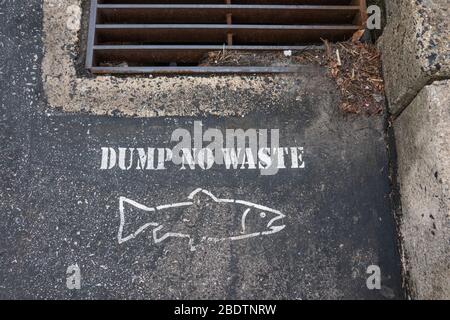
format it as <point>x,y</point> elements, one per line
<point>423,145</point>
<point>415,47</point>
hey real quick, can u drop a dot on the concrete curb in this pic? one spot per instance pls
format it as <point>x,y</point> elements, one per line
<point>416,48</point>
<point>423,136</point>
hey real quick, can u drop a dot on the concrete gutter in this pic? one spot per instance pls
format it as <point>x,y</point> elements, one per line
<point>416,60</point>
<point>69,90</point>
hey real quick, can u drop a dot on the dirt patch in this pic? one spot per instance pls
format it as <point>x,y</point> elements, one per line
<point>354,66</point>
<point>258,59</point>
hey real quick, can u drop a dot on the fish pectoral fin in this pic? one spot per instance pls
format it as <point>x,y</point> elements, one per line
<point>160,234</point>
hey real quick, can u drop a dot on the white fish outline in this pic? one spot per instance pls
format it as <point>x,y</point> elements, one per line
<point>271,228</point>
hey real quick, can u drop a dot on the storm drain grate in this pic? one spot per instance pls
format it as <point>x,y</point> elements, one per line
<point>157,36</point>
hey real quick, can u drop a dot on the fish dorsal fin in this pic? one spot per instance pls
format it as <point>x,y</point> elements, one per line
<point>201,195</point>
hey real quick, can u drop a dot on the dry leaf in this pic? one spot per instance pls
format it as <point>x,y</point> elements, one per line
<point>357,35</point>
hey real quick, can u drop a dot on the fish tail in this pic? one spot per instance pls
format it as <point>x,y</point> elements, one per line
<point>131,219</point>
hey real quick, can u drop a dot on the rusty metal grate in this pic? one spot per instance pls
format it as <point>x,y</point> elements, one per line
<point>157,36</point>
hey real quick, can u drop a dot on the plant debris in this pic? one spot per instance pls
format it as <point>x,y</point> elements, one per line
<point>355,67</point>
<point>247,58</point>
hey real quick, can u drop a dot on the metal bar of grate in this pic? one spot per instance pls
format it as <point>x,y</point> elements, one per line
<point>156,36</point>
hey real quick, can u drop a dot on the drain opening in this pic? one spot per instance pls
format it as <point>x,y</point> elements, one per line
<point>155,36</point>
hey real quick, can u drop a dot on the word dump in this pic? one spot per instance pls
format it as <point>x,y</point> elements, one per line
<point>237,149</point>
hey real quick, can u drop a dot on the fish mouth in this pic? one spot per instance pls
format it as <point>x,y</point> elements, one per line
<point>275,228</point>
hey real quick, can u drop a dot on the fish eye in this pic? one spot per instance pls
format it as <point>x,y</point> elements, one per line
<point>262,214</point>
